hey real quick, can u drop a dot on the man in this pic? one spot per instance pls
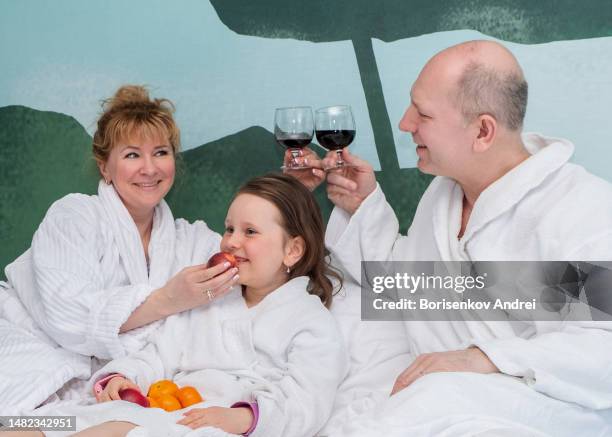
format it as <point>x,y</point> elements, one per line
<point>499,196</point>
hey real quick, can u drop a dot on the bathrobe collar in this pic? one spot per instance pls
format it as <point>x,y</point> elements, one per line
<point>547,156</point>
<point>286,292</point>
<point>161,246</point>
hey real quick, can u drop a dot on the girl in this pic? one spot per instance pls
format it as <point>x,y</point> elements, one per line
<point>267,358</point>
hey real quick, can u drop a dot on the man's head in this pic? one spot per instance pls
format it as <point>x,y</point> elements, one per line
<point>466,99</point>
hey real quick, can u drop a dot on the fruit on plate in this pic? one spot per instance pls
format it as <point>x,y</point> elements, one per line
<point>133,395</point>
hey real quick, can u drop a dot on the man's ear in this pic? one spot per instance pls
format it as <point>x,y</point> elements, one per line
<point>294,251</point>
<point>486,126</point>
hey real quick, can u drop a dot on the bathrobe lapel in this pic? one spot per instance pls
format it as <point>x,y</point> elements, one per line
<point>161,245</point>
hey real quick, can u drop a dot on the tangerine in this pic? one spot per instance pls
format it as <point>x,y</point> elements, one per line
<point>188,396</point>
<point>168,402</point>
<point>153,402</point>
<point>162,387</point>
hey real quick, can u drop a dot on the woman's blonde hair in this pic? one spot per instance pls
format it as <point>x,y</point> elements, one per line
<point>132,112</point>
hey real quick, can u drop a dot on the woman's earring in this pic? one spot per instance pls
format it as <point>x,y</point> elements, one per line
<point>107,181</point>
<point>288,270</point>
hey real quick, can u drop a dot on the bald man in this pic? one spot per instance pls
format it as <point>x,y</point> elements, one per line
<point>499,195</point>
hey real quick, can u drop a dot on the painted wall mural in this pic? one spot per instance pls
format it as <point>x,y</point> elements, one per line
<point>227,64</point>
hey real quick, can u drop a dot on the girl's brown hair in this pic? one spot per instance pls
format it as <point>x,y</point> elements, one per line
<point>131,111</point>
<point>301,217</point>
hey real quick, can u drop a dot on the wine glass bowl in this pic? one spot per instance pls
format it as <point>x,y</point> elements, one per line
<point>294,129</point>
<point>335,129</point>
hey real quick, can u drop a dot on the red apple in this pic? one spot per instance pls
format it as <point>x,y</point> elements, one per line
<point>133,395</point>
<point>221,257</point>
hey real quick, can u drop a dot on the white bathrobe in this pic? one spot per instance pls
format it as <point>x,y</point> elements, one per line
<point>83,276</point>
<point>544,209</point>
<point>286,353</point>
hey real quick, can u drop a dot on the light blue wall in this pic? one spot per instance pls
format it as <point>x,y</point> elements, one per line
<point>66,55</point>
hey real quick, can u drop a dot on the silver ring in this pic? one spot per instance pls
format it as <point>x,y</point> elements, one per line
<point>210,293</point>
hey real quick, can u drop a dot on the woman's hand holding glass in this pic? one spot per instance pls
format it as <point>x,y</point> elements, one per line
<point>311,176</point>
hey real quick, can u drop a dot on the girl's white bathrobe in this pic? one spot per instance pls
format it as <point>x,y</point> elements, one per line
<point>286,353</point>
<point>561,372</point>
<point>68,295</point>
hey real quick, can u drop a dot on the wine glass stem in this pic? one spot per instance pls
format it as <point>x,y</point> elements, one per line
<point>339,162</point>
<point>295,153</point>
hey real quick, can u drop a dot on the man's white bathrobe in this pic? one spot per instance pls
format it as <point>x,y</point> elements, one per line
<point>560,379</point>
<point>286,353</point>
<point>68,295</point>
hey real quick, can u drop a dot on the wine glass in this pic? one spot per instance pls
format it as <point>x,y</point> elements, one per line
<point>294,128</point>
<point>335,129</point>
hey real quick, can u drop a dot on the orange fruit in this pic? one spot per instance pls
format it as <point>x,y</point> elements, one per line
<point>153,402</point>
<point>168,402</point>
<point>162,387</point>
<point>188,396</point>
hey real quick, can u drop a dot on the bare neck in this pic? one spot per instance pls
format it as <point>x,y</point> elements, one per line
<point>144,224</point>
<point>491,167</point>
<point>253,296</point>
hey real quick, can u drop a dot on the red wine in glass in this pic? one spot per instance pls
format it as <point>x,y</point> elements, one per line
<point>335,139</point>
<point>293,141</point>
<point>335,129</point>
<point>294,128</point>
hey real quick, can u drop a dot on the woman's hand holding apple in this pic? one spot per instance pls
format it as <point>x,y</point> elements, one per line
<point>190,287</point>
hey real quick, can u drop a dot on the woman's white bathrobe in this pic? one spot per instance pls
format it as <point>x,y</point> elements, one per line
<point>286,353</point>
<point>544,209</point>
<point>83,276</point>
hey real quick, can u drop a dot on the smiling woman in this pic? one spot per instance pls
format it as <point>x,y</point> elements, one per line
<point>101,266</point>
<point>135,147</point>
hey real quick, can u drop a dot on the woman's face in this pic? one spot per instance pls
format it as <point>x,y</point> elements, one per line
<point>142,171</point>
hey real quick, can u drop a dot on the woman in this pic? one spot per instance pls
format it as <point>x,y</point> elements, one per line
<point>102,268</point>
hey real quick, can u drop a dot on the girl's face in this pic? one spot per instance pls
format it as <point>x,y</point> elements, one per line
<point>262,247</point>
